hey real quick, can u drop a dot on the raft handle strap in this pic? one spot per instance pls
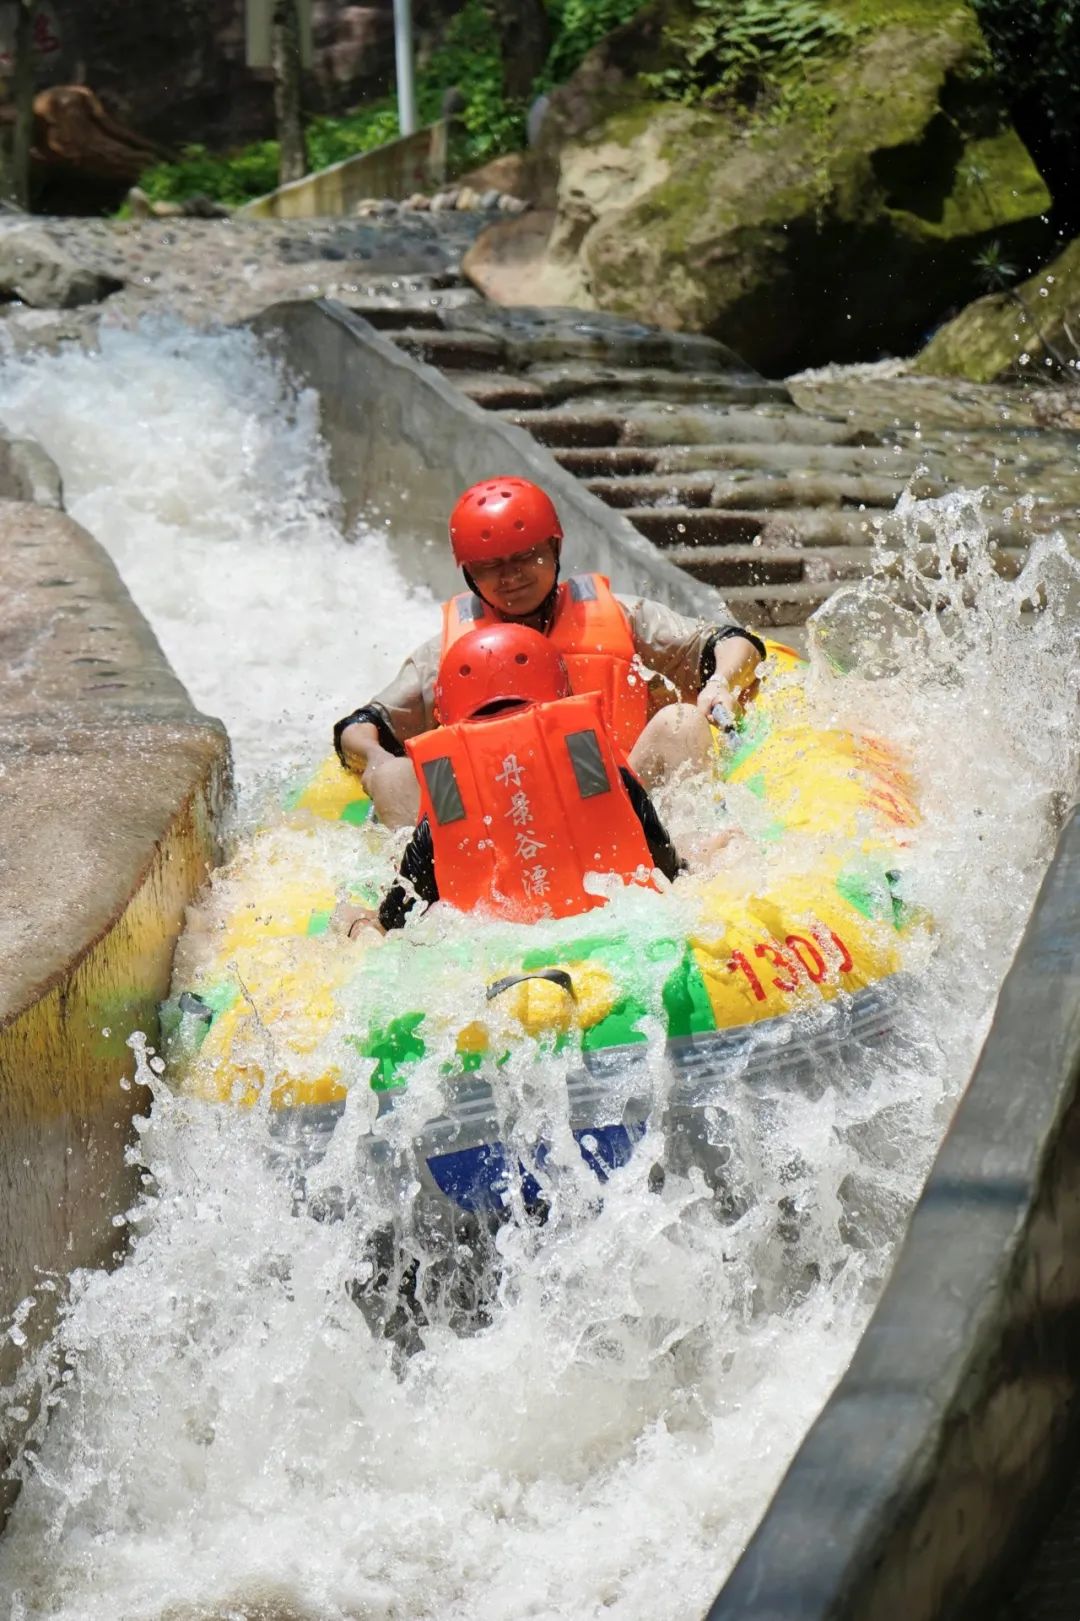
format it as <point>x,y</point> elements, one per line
<point>556,976</point>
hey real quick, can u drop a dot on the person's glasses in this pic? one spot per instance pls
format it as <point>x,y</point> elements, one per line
<point>492,567</point>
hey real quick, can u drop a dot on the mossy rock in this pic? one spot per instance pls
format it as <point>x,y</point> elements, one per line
<point>1031,331</point>
<point>836,214</point>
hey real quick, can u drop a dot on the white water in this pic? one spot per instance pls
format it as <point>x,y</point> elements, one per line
<point>229,1439</point>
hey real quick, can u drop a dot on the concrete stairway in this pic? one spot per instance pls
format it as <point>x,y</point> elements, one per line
<point>772,503</point>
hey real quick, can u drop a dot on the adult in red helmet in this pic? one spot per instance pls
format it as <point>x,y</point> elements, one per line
<point>661,676</point>
<point>524,793</point>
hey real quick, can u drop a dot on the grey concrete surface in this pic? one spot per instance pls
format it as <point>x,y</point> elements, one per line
<point>919,1491</point>
<point>111,790</point>
<point>404,443</point>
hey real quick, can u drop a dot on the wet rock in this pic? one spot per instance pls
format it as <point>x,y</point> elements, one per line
<point>489,199</point>
<point>510,264</point>
<point>444,201</point>
<point>139,204</point>
<point>37,270</point>
<point>507,173</point>
<point>467,199</point>
<point>418,203</point>
<point>833,233</point>
<point>1032,330</point>
<point>201,207</point>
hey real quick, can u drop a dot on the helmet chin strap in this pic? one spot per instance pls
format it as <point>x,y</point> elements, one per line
<point>545,612</point>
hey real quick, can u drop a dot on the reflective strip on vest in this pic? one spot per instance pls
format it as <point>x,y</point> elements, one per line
<point>588,763</point>
<point>582,587</point>
<point>443,788</point>
<point>469,607</point>
<point>544,806</point>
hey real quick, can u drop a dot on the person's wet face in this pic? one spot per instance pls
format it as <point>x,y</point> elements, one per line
<point>517,586</point>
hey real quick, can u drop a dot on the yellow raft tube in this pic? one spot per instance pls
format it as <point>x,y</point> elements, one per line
<point>272,994</point>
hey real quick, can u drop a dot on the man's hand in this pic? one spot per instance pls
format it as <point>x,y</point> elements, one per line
<point>360,745</point>
<point>355,921</point>
<point>718,704</point>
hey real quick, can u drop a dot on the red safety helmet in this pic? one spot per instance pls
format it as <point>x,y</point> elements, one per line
<point>498,664</point>
<point>501,517</point>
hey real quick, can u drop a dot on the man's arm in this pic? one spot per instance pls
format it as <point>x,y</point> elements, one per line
<point>403,709</point>
<point>692,654</point>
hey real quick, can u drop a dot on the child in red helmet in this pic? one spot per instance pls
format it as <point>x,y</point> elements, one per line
<point>524,793</point>
<point>661,676</point>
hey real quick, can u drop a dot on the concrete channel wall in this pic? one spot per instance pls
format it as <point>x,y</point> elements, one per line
<point>111,790</point>
<point>404,443</point>
<point>397,169</point>
<point>918,1492</point>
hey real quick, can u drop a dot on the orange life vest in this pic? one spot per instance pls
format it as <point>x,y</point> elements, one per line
<point>590,630</point>
<point>523,806</point>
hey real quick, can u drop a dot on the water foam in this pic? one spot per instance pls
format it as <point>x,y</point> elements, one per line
<point>230,1438</point>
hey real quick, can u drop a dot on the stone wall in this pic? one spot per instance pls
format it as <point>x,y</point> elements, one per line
<point>113,787</point>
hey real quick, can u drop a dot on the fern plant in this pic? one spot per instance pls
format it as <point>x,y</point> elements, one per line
<point>736,47</point>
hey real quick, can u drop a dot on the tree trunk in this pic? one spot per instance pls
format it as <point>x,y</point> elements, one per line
<point>525,37</point>
<point>285,51</point>
<point>15,156</point>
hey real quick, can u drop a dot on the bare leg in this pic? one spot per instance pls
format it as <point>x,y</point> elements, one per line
<point>678,735</point>
<point>391,785</point>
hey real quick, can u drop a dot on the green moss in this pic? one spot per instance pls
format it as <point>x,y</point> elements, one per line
<point>1039,319</point>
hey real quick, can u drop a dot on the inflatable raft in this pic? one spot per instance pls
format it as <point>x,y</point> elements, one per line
<point>738,983</point>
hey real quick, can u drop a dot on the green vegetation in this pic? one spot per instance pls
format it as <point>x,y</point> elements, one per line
<point>737,48</point>
<point>1035,46</point>
<point>469,58</point>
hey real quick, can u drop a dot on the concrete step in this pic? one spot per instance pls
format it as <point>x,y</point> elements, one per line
<point>568,427</point>
<point>407,307</point>
<point>451,351</point>
<point>639,426</point>
<point>618,461</point>
<point>566,337</point>
<point>695,526</point>
<point>499,391</point>
<point>798,489</point>
<point>763,607</point>
<point>725,566</point>
<point>713,526</point>
<point>597,384</point>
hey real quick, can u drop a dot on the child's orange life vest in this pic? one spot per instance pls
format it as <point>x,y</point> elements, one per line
<point>523,806</point>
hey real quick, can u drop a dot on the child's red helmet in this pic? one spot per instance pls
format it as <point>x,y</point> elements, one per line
<point>498,664</point>
<point>501,517</point>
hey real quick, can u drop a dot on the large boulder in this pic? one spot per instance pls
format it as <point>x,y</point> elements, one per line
<point>831,210</point>
<point>36,270</point>
<point>1032,330</point>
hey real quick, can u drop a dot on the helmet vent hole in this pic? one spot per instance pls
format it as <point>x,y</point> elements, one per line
<point>466,669</point>
<point>505,494</point>
<point>482,501</point>
<point>518,524</point>
<point>485,534</point>
<point>521,658</point>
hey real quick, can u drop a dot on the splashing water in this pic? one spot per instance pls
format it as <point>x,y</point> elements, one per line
<point>230,1438</point>
<point>201,472</point>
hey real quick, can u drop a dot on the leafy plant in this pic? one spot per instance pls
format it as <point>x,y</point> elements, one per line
<point>467,57</point>
<point>738,47</point>
<point>579,25</point>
